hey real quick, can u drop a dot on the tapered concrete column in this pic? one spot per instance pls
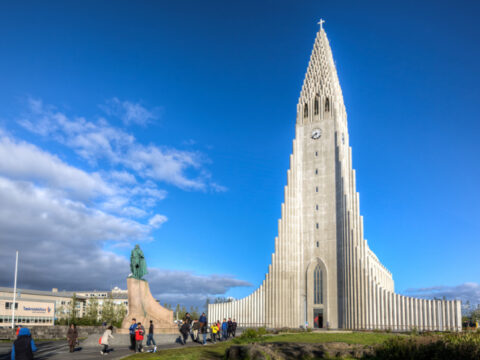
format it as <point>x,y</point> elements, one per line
<point>442,307</point>
<point>458,315</point>
<point>394,312</point>
<point>399,312</point>
<point>382,308</point>
<point>451,317</point>
<point>429,315</point>
<point>414,312</point>
<point>424,314</point>
<point>388,300</point>
<point>408,313</point>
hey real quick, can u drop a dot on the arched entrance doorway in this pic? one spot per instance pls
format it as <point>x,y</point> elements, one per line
<point>316,299</point>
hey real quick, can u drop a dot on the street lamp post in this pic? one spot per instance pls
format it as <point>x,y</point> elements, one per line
<point>14,291</point>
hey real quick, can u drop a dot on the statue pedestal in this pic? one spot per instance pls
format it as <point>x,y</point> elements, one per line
<point>143,307</point>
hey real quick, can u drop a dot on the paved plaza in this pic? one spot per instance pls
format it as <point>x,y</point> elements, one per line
<point>58,350</point>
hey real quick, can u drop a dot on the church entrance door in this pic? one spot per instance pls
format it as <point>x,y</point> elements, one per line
<point>318,318</point>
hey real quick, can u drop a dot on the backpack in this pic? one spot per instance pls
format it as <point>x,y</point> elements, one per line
<point>23,348</point>
<point>139,334</point>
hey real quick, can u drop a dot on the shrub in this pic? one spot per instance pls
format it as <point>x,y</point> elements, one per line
<point>440,347</point>
<point>261,331</point>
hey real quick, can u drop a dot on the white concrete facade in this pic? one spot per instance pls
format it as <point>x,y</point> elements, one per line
<point>323,271</point>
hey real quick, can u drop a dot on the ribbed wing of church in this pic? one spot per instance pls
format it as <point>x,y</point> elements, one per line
<point>323,272</point>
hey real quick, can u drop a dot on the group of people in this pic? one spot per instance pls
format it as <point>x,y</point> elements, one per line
<point>137,334</point>
<point>24,346</point>
<point>219,331</point>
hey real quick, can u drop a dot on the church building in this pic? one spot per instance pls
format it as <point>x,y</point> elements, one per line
<point>322,271</point>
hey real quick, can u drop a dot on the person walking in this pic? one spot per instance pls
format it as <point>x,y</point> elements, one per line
<point>224,329</point>
<point>23,347</point>
<point>185,330</point>
<point>72,336</point>
<point>229,327</point>
<point>150,339</point>
<point>139,334</point>
<point>107,335</point>
<point>234,327</point>
<point>188,319</point>
<point>131,330</point>
<point>214,328</point>
<point>204,330</point>
<point>219,333</point>
<point>195,327</point>
<point>203,320</point>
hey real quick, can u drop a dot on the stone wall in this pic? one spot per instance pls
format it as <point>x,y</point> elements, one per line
<point>52,332</point>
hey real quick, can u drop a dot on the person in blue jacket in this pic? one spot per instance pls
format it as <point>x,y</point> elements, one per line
<point>133,327</point>
<point>224,329</point>
<point>203,319</point>
<point>24,347</point>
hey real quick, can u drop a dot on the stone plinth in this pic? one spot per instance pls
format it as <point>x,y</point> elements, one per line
<point>143,307</point>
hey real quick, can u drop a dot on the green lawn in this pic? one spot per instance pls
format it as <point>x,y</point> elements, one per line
<point>363,338</point>
<point>216,352</point>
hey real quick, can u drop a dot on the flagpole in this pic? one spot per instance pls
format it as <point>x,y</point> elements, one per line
<point>14,291</point>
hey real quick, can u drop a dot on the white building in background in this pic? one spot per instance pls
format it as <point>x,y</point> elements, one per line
<point>39,307</point>
<point>323,272</point>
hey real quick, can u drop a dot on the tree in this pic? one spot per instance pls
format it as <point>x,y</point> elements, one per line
<point>72,309</point>
<point>108,310</point>
<point>91,316</point>
<point>120,313</point>
<point>475,315</point>
<point>194,312</point>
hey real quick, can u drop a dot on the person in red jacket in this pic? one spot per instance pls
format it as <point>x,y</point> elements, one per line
<point>139,333</point>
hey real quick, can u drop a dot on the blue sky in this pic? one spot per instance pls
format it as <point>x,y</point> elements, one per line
<point>170,123</point>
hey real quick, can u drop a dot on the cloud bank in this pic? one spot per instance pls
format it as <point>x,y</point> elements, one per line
<point>469,291</point>
<point>63,217</point>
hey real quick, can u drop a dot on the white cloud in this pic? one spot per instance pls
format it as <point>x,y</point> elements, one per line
<point>465,292</point>
<point>62,218</point>
<point>61,245</point>
<point>157,220</point>
<point>20,160</point>
<point>123,177</point>
<point>96,141</point>
<point>129,112</point>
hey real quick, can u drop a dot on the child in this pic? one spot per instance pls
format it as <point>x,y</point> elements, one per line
<point>104,341</point>
<point>139,332</point>
<point>214,328</point>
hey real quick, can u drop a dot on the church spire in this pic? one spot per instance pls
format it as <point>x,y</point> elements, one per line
<point>321,77</point>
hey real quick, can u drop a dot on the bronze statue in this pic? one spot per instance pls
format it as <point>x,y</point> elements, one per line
<point>138,265</point>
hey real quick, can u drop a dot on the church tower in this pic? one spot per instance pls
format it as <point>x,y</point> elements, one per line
<point>322,272</point>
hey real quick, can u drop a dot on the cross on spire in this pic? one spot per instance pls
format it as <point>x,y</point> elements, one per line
<point>321,23</point>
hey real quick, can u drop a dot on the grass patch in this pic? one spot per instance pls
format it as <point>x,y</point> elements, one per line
<point>217,351</point>
<point>362,338</point>
<point>210,352</point>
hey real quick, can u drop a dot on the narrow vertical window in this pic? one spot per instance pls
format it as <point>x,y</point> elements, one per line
<point>316,171</point>
<point>305,111</point>
<point>318,285</point>
<point>327,105</point>
<point>316,225</point>
<point>316,207</point>
<point>318,244</point>
<point>316,153</point>
<point>316,189</point>
<point>315,107</point>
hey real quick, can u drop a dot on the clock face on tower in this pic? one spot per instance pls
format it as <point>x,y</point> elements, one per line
<point>316,133</point>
